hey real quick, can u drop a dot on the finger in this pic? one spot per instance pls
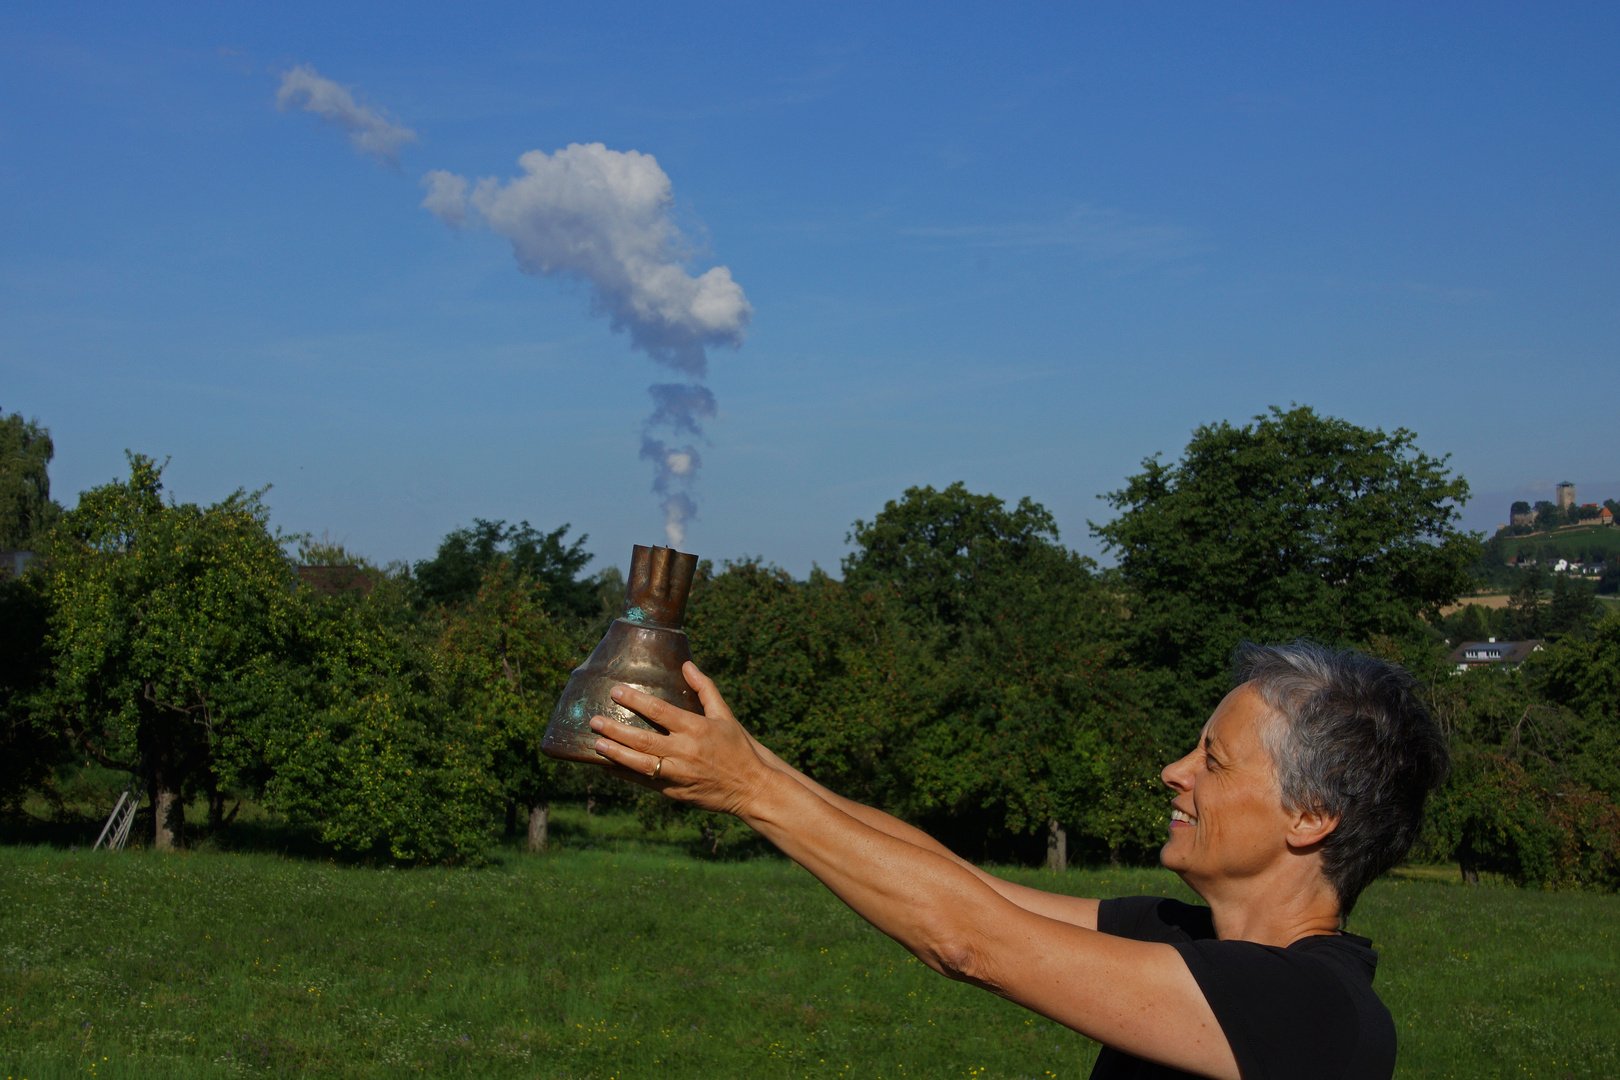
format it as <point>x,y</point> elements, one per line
<point>635,738</point>
<point>659,711</point>
<point>707,691</point>
<point>639,762</point>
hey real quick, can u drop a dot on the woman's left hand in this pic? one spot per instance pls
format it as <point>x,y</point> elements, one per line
<point>707,760</point>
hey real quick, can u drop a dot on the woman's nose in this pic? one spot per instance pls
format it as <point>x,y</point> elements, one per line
<point>1178,774</point>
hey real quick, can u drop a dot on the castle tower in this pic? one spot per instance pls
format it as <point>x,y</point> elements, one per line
<point>1564,495</point>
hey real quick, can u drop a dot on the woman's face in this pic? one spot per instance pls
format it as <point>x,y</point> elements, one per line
<point>1227,820</point>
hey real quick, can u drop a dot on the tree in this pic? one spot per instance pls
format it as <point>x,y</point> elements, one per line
<point>1581,673</point>
<point>1571,609</point>
<point>169,626</point>
<point>1474,622</point>
<point>28,749</point>
<point>1037,718</point>
<point>1293,525</point>
<point>826,673</point>
<point>454,573</point>
<point>505,663</point>
<point>1549,515</point>
<point>369,751</point>
<point>1527,612</point>
<point>944,553</point>
<point>1531,795</point>
<point>26,508</point>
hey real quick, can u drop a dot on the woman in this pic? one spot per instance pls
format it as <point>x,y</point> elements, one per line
<point>1307,783</point>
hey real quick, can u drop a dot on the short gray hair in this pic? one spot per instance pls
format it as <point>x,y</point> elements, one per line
<point>1352,739</point>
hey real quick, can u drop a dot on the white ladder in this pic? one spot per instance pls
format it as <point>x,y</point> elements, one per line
<point>122,817</point>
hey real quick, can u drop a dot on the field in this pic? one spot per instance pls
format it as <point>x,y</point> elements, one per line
<point>1500,600</point>
<point>1568,542</point>
<point>625,955</point>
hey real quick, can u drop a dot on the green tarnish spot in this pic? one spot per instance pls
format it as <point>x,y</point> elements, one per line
<point>578,710</point>
<point>635,615</point>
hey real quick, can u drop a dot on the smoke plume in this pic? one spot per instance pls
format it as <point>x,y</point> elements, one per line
<point>602,217</point>
<point>682,408</point>
<point>369,131</point>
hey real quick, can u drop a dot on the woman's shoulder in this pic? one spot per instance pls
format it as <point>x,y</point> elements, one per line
<point>1308,1009</point>
<point>1155,918</point>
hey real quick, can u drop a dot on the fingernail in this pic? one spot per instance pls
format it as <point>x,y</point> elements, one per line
<point>618,692</point>
<point>600,745</point>
<point>597,723</point>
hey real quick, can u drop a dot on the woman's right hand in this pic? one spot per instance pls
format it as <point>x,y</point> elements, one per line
<point>706,759</point>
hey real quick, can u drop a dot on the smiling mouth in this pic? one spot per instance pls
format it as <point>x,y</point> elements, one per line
<point>1179,818</point>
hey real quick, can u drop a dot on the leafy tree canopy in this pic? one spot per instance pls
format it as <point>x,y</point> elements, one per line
<point>949,555</point>
<point>372,755</point>
<point>26,509</point>
<point>169,625</point>
<point>454,574</point>
<point>1034,715</point>
<point>504,661</point>
<point>1293,525</point>
<point>830,676</point>
<point>28,750</point>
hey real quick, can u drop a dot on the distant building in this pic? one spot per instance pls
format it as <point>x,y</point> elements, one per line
<point>1605,516</point>
<point>1492,653</point>
<point>1564,495</point>
<point>1523,517</point>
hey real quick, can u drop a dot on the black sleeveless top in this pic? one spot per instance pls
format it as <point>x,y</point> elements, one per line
<point>1304,1011</point>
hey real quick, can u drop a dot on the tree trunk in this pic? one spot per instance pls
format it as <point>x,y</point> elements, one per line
<point>539,819</point>
<point>1057,846</point>
<point>1470,871</point>
<point>216,805</point>
<point>169,813</point>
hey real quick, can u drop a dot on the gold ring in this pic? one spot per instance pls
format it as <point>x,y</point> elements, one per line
<point>658,768</point>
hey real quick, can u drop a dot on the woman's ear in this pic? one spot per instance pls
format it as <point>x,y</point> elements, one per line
<point>1310,827</point>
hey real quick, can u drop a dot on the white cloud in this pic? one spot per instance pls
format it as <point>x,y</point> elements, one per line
<point>603,216</point>
<point>369,131</point>
<point>446,197</point>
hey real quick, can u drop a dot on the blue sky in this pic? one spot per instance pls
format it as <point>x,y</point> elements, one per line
<point>1022,248</point>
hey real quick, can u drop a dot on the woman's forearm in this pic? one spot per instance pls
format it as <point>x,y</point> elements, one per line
<point>1069,909</point>
<point>884,823</point>
<point>926,900</point>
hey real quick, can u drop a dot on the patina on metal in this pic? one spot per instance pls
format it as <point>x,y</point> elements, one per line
<point>644,648</point>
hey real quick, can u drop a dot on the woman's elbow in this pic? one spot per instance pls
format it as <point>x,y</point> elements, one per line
<point>962,957</point>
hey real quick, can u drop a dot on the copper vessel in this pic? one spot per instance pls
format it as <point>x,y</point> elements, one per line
<point>644,648</point>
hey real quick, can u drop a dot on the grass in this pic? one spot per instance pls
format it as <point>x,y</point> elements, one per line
<point>1568,541</point>
<point>622,955</point>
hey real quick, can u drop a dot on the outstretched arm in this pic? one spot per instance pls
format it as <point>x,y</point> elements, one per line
<point>1070,909</point>
<point>1136,996</point>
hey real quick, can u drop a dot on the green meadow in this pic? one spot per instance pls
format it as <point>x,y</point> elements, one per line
<point>625,953</point>
<point>1570,541</point>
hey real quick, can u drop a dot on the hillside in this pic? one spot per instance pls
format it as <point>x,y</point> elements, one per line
<point>1574,542</point>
